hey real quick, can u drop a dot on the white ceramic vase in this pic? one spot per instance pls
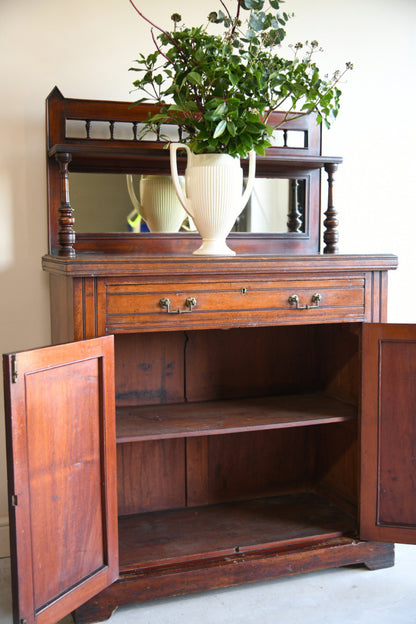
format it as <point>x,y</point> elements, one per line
<point>159,205</point>
<point>214,195</point>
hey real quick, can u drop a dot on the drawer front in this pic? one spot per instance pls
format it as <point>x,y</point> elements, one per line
<point>195,305</point>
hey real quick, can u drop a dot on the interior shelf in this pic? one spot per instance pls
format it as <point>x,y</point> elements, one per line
<point>168,537</point>
<point>230,416</point>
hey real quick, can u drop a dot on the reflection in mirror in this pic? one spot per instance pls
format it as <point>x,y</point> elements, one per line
<point>106,202</point>
<point>158,207</point>
<point>276,205</point>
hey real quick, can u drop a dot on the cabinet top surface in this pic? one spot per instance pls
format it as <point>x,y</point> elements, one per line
<point>101,265</point>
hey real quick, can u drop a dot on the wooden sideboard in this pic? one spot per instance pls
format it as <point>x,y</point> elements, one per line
<point>205,422</point>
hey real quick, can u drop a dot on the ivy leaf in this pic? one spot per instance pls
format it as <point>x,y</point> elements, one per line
<point>214,103</point>
<point>235,60</point>
<point>315,77</point>
<point>194,78</point>
<point>259,149</point>
<point>219,129</point>
<point>221,109</point>
<point>199,54</point>
<point>191,105</point>
<point>174,108</point>
<point>231,128</point>
<point>233,78</point>
<point>247,141</point>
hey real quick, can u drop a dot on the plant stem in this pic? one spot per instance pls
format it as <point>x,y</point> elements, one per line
<point>164,32</point>
<point>158,47</point>
<point>145,18</point>
<point>226,9</point>
<point>237,15</point>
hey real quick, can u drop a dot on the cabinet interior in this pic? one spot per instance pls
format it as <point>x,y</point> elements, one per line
<point>230,441</point>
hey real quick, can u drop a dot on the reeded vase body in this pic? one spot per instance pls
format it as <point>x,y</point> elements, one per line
<point>159,205</point>
<point>213,195</point>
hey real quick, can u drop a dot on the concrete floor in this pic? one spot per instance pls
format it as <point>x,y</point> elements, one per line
<point>338,596</point>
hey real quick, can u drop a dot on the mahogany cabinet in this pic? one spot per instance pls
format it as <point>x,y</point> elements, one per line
<point>202,422</point>
<point>255,437</point>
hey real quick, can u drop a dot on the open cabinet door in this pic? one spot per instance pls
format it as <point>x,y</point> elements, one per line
<point>60,423</point>
<point>388,433</point>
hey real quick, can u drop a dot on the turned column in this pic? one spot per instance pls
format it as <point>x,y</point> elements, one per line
<point>331,222</point>
<point>66,233</point>
<point>294,222</point>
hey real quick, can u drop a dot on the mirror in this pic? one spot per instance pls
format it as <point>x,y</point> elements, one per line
<point>102,203</point>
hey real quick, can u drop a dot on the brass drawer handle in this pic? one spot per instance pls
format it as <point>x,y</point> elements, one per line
<point>190,303</point>
<point>316,300</point>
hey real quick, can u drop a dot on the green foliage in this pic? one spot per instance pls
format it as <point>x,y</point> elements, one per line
<point>220,89</point>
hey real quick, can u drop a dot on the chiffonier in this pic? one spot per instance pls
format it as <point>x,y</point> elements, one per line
<point>202,422</point>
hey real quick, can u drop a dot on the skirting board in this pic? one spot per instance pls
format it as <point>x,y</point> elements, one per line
<point>4,537</point>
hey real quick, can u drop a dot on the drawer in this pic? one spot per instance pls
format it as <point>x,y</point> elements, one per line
<point>195,305</point>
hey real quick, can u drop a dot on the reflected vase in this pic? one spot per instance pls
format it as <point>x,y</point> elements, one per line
<point>159,205</point>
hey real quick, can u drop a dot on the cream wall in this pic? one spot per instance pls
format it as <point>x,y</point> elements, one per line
<point>85,48</point>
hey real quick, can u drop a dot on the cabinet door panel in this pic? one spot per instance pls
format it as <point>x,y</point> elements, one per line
<point>388,468</point>
<point>61,439</point>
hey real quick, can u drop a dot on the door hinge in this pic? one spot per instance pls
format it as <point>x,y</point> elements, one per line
<point>14,369</point>
<point>23,621</point>
<point>14,500</point>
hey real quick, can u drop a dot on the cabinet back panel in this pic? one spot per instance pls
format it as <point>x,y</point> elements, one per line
<point>149,368</point>
<point>179,472</point>
<point>337,445</point>
<point>339,360</point>
<point>172,367</point>
<point>249,465</point>
<point>176,367</point>
<point>151,476</point>
<point>223,364</point>
<point>203,365</point>
<point>337,471</point>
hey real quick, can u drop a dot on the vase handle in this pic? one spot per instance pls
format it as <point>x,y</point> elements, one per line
<point>135,217</point>
<point>132,193</point>
<point>175,178</point>
<point>250,179</point>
